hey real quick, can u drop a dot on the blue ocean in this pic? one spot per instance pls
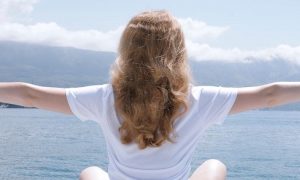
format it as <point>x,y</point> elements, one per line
<point>42,145</point>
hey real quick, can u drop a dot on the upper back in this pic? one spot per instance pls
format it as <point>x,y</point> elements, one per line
<point>208,105</point>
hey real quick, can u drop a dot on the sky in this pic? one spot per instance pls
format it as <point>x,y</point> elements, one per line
<point>228,30</point>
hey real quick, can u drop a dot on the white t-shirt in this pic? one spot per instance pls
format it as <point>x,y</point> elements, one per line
<point>208,105</point>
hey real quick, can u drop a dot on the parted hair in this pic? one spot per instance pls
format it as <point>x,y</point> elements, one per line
<point>150,78</point>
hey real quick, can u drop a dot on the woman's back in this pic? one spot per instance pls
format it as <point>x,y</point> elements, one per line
<point>208,105</point>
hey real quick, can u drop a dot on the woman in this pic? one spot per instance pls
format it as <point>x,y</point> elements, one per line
<point>150,114</point>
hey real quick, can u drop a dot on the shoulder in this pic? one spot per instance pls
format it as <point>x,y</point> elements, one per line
<point>197,90</point>
<point>91,88</point>
<point>208,92</point>
<point>88,102</point>
<point>90,93</point>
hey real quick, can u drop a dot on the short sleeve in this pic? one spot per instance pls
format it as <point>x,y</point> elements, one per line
<point>86,103</point>
<point>216,102</point>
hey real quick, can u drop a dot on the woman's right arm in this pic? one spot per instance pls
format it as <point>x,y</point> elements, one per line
<point>29,95</point>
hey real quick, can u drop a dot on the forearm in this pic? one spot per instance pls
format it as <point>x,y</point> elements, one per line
<point>284,93</point>
<point>14,93</point>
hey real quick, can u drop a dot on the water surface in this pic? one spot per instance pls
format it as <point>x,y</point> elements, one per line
<point>37,144</point>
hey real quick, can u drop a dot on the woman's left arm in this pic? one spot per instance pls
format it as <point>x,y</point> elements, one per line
<point>266,96</point>
<point>285,92</point>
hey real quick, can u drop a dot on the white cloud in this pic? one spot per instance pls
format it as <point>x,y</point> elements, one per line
<point>51,33</point>
<point>202,52</point>
<point>197,34</point>
<point>200,31</point>
<point>55,35</point>
<point>12,8</point>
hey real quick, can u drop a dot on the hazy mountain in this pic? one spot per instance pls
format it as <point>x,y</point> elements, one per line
<point>66,67</point>
<point>245,74</point>
<point>53,66</point>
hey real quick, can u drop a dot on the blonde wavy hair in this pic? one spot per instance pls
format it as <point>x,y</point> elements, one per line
<point>150,78</point>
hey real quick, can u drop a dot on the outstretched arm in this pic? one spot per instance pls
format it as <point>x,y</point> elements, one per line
<point>29,95</point>
<point>266,96</point>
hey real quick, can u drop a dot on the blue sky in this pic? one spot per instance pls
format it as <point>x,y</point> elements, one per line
<point>214,29</point>
<point>253,23</point>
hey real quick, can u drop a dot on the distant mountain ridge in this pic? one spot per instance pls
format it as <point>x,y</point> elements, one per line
<point>70,67</point>
<point>53,66</point>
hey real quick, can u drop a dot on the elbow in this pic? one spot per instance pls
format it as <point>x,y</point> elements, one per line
<point>27,96</point>
<point>271,95</point>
